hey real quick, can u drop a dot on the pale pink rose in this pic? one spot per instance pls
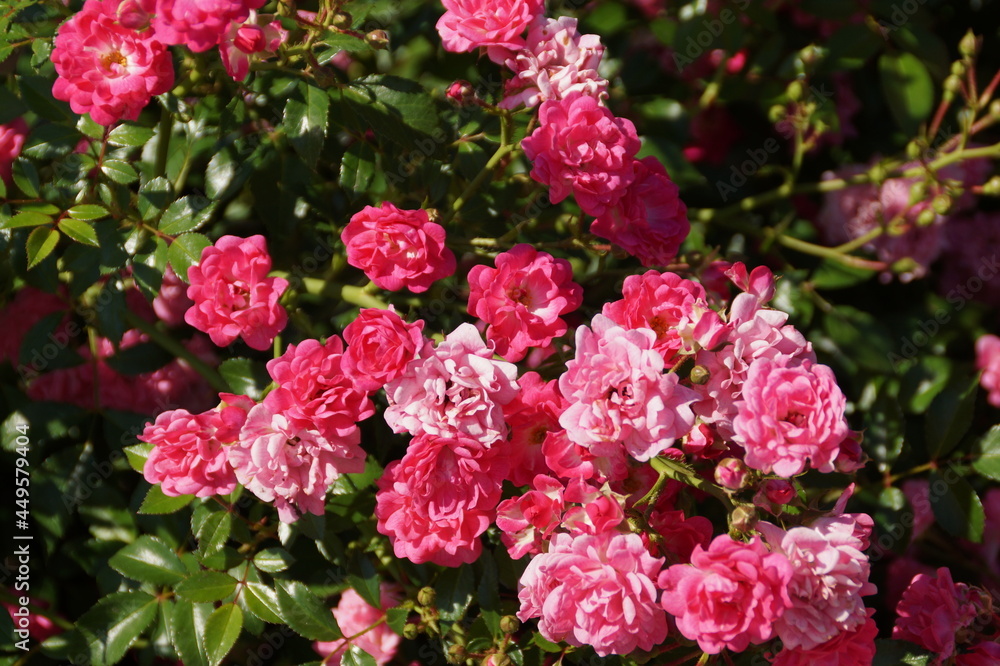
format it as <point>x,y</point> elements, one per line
<point>189,455</point>
<point>679,535</point>
<point>379,345</point>
<point>531,416</point>
<point>596,590</point>
<point>673,308</point>
<point>829,576</point>
<point>555,61</point>
<point>650,220</point>
<point>354,615</point>
<point>581,148</point>
<point>259,36</point>
<point>12,136</point>
<point>522,299</point>
<point>529,520</point>
<point>730,595</point>
<point>171,303</point>
<point>397,248</point>
<point>199,24</point>
<point>988,361</point>
<point>107,69</point>
<point>791,416</point>
<point>939,614</point>
<point>28,307</point>
<point>848,648</point>
<point>314,391</point>
<point>618,394</point>
<point>455,388</point>
<point>233,297</point>
<point>469,24</point>
<point>436,502</point>
<point>290,466</point>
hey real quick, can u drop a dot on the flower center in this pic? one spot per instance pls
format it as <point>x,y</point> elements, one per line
<point>659,326</point>
<point>796,419</point>
<point>519,295</point>
<point>113,58</point>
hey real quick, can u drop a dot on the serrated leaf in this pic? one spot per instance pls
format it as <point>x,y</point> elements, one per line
<point>949,416</point>
<point>956,505</point>
<point>305,613</point>
<point>115,622</point>
<point>185,252</point>
<point>355,656</point>
<point>396,109</point>
<point>363,577</point>
<point>245,377</point>
<point>186,214</point>
<point>130,135</point>
<point>79,231</point>
<point>137,455</point>
<point>119,171</point>
<point>357,169</point>
<point>988,449</point>
<point>149,560</point>
<point>26,219</point>
<point>305,122</point>
<point>187,632</point>
<point>154,196</point>
<point>88,212</point>
<point>455,589</point>
<point>25,176</point>
<point>396,619</point>
<point>157,503</point>
<point>214,532</point>
<point>41,242</point>
<point>899,653</point>
<point>262,601</point>
<point>273,560</point>
<point>221,631</point>
<point>206,586</point>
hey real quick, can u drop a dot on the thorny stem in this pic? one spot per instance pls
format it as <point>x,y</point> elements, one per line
<point>669,468</point>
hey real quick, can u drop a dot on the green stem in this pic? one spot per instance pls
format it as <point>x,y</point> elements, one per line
<point>829,253</point>
<point>668,467</point>
<point>178,350</point>
<point>471,188</point>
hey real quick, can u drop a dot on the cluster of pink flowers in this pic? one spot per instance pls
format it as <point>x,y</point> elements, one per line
<point>112,57</point>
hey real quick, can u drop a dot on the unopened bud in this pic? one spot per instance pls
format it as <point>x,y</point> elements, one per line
<point>378,39</point>
<point>497,660</point>
<point>958,68</point>
<point>342,20</point>
<point>743,518</point>
<point>914,149</point>
<point>794,91</point>
<point>942,204</point>
<point>426,596</point>
<point>509,624</point>
<point>456,654</point>
<point>779,491</point>
<point>995,108</point>
<point>461,92</point>
<point>732,473</point>
<point>776,113</point>
<point>410,631</point>
<point>918,192</point>
<point>992,187</point>
<point>953,84</point>
<point>699,375</point>
<point>926,217</point>
<point>969,45</point>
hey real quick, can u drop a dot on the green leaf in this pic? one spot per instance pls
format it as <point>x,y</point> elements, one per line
<point>36,93</point>
<point>988,450</point>
<point>26,219</point>
<point>899,653</point>
<point>187,632</point>
<point>273,560</point>
<point>137,455</point>
<point>832,274</point>
<point>186,214</point>
<point>26,177</point>
<point>149,560</point>
<point>489,593</point>
<point>206,586</point>
<point>363,577</point>
<point>50,141</point>
<point>115,622</point>
<point>79,231</point>
<point>455,588</point>
<point>397,109</point>
<point>221,631</point>
<point>119,171</point>
<point>950,415</point>
<point>305,122</point>
<point>245,377</point>
<point>214,532</point>
<point>262,601</point>
<point>305,613</point>
<point>923,382</point>
<point>88,212</point>
<point>185,252</point>
<point>908,89</point>
<point>40,244</point>
<point>396,619</point>
<point>957,507</point>
<point>139,359</point>
<point>158,504</point>
<point>154,196</point>
<point>355,656</point>
<point>357,169</point>
<point>130,135</point>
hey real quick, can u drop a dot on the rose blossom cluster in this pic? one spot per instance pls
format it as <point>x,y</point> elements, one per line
<point>112,57</point>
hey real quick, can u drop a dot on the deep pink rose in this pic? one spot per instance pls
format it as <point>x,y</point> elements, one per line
<point>791,416</point>
<point>591,510</point>
<point>848,648</point>
<point>354,615</point>
<point>679,534</point>
<point>730,595</point>
<point>28,307</point>
<point>650,220</point>
<point>581,148</point>
<point>522,299</point>
<point>455,388</point>
<point>618,394</point>
<point>314,390</point>
<point>988,360</point>
<point>107,69</point>
<point>379,345</point>
<point>556,61</point>
<point>291,466</point>
<point>436,502</point>
<point>12,136</point>
<point>397,248</point>
<point>199,24</point>
<point>259,36</point>
<point>529,520</point>
<point>233,297</point>
<point>531,416</point>
<point>596,590</point>
<point>468,24</point>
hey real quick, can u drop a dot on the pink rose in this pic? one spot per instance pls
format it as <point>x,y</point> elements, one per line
<point>618,394</point>
<point>436,502</point>
<point>233,297</point>
<point>291,466</point>
<point>12,136</point>
<point>848,648</point>
<point>729,596</point>
<point>531,416</point>
<point>380,344</point>
<point>530,520</point>
<point>259,36</point>
<point>106,69</point>
<point>791,416</point>
<point>650,220</point>
<point>468,24</point>
<point>171,303</point>
<point>580,147</point>
<point>594,511</point>
<point>314,390</point>
<point>189,455</point>
<point>679,535</point>
<point>555,61</point>
<point>199,24</point>
<point>398,248</point>
<point>522,299</point>
<point>354,615</point>
<point>455,388</point>
<point>596,590</point>
<point>28,307</point>
<point>988,360</point>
